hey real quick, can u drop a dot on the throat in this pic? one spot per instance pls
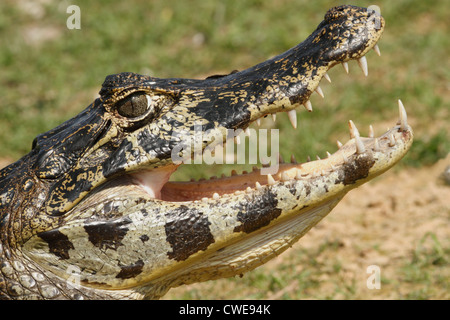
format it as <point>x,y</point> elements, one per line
<point>152,181</point>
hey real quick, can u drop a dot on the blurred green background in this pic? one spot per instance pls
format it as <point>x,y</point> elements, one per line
<point>49,73</point>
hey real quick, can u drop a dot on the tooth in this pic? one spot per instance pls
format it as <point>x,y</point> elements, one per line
<point>274,117</point>
<point>345,65</point>
<point>391,140</point>
<point>280,158</point>
<point>293,118</point>
<point>258,122</point>
<point>248,190</point>
<point>298,175</point>
<point>339,144</point>
<point>255,168</point>
<point>205,199</point>
<point>403,116</point>
<point>258,185</point>
<point>284,176</point>
<point>320,92</point>
<point>353,130</point>
<point>363,64</point>
<point>237,139</point>
<point>377,50</point>
<point>326,76</point>
<point>376,145</point>
<point>317,157</point>
<point>308,159</point>
<point>248,132</point>
<point>308,106</point>
<point>328,154</point>
<point>216,196</point>
<point>270,180</point>
<point>293,160</point>
<point>359,145</point>
<point>371,133</point>
<point>233,173</point>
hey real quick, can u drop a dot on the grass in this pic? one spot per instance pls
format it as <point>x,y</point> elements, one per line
<point>50,73</point>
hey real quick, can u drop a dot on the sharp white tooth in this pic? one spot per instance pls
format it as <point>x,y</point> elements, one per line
<point>248,132</point>
<point>328,154</point>
<point>353,130</point>
<point>320,92</point>
<point>317,157</point>
<point>345,65</point>
<point>376,145</point>
<point>293,118</point>
<point>293,160</point>
<point>284,176</point>
<point>391,140</point>
<point>248,190</point>
<point>308,106</point>
<point>270,180</point>
<point>326,76</point>
<point>359,145</point>
<point>237,139</point>
<point>258,122</point>
<point>216,196</point>
<point>258,185</point>
<point>377,49</point>
<point>363,65</point>
<point>205,199</point>
<point>274,117</point>
<point>403,116</point>
<point>371,133</point>
<point>339,144</point>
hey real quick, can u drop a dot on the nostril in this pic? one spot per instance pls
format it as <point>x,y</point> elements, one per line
<point>335,13</point>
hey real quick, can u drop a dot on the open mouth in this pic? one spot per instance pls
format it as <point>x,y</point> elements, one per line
<point>157,186</point>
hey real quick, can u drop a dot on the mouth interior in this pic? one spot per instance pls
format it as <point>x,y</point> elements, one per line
<point>156,182</point>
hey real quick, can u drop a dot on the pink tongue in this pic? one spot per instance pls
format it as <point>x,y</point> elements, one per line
<point>152,181</point>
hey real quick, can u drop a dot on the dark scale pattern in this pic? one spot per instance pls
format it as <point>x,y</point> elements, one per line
<point>58,243</point>
<point>107,234</point>
<point>187,232</point>
<point>257,213</point>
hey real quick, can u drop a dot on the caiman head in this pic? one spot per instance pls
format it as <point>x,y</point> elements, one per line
<point>90,211</point>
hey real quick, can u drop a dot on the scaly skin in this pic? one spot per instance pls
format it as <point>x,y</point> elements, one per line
<point>89,212</point>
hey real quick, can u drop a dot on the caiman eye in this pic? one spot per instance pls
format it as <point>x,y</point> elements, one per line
<point>135,105</point>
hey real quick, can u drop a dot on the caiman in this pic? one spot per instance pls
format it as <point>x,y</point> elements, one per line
<point>90,212</point>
